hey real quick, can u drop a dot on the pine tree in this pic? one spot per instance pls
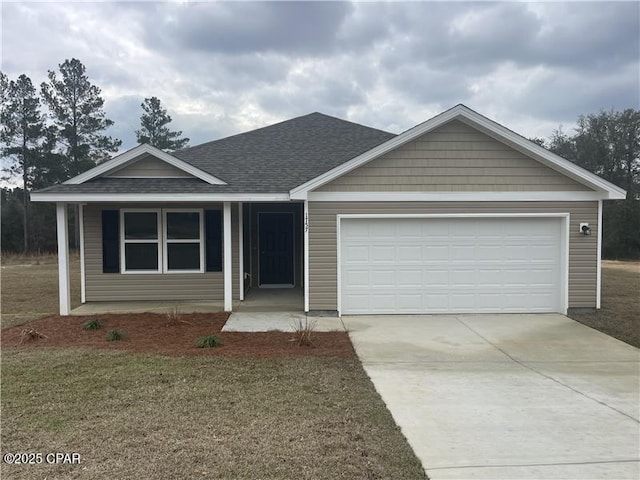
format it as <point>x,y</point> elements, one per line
<point>77,111</point>
<point>154,130</point>
<point>24,138</point>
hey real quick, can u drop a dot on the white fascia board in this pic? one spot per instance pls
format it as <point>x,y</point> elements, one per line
<point>158,197</point>
<point>474,119</point>
<point>375,152</point>
<point>455,196</point>
<point>120,161</point>
<point>550,159</point>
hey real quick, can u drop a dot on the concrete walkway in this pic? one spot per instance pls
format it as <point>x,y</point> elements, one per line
<point>282,321</point>
<point>506,396</point>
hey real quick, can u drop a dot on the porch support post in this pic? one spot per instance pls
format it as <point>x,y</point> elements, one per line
<point>599,266</point>
<point>64,290</point>
<point>306,255</point>
<point>83,293</point>
<point>228,273</point>
<point>240,252</point>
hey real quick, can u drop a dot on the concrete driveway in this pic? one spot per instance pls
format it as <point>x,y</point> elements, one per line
<point>506,396</point>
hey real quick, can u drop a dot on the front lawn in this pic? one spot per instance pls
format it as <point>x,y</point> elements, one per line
<point>29,287</point>
<point>150,416</point>
<point>619,315</point>
<point>142,415</point>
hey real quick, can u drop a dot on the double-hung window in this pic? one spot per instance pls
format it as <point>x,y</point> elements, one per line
<point>162,241</point>
<point>141,250</point>
<point>183,241</point>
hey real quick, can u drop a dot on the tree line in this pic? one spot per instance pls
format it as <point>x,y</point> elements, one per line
<point>51,134</point>
<point>608,144</point>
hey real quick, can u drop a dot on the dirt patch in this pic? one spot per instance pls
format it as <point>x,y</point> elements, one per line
<point>153,333</point>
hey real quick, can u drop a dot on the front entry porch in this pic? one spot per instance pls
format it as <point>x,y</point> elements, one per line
<point>256,300</point>
<point>241,255</point>
<point>272,300</point>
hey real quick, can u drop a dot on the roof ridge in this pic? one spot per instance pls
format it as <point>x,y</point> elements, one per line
<point>316,113</point>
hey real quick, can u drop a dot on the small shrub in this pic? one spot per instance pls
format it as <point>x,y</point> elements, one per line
<point>303,331</point>
<point>93,324</point>
<point>210,341</point>
<point>173,316</point>
<point>115,335</point>
<point>29,334</point>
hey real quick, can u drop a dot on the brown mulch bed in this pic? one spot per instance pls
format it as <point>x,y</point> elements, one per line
<point>152,333</point>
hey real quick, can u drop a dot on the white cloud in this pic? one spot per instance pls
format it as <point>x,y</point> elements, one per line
<point>223,68</point>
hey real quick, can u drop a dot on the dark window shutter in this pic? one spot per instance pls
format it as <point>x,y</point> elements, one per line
<point>110,241</point>
<point>213,240</point>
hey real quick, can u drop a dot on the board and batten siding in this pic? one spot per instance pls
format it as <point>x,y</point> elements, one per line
<point>453,158</point>
<point>323,240</point>
<point>149,167</point>
<point>113,287</point>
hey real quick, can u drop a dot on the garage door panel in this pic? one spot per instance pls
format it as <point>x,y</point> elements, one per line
<point>435,278</point>
<point>409,253</point>
<point>408,278</point>
<point>462,278</point>
<point>381,230</point>
<point>435,253</point>
<point>463,252</point>
<point>381,301</point>
<point>354,254</point>
<point>490,278</point>
<point>357,278</point>
<point>383,278</point>
<point>449,265</point>
<point>383,253</point>
<point>488,253</point>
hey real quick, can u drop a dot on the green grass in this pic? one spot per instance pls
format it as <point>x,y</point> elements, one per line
<point>145,416</point>
<point>29,287</point>
<point>619,315</point>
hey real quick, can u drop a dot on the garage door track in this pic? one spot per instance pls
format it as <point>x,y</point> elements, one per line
<point>506,396</point>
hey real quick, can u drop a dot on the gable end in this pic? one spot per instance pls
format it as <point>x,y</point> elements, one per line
<point>454,157</point>
<point>148,167</point>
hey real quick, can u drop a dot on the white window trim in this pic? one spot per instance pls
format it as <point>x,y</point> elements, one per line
<point>123,242</point>
<point>166,241</point>
<point>161,217</point>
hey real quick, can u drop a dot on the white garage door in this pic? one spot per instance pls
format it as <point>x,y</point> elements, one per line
<point>450,265</point>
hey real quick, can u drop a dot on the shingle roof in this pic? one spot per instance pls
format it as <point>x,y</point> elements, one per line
<point>280,157</point>
<point>273,159</point>
<point>142,185</point>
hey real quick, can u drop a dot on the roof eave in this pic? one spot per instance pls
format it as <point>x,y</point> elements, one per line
<point>132,154</point>
<point>465,114</point>
<point>132,197</point>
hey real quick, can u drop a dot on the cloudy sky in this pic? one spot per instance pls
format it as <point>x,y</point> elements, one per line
<point>224,68</point>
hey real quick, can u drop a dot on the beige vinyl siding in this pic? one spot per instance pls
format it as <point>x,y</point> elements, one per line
<point>323,246</point>
<point>100,286</point>
<point>149,167</point>
<point>453,158</point>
